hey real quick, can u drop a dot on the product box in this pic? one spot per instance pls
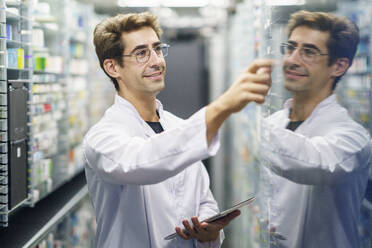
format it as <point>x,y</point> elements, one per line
<point>12,58</point>
<point>15,58</point>
<point>8,31</point>
<point>20,58</point>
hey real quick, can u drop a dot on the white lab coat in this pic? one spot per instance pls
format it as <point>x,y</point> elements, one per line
<point>143,184</point>
<point>320,176</point>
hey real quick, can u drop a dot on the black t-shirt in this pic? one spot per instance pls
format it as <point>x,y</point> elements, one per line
<point>293,125</point>
<point>156,126</point>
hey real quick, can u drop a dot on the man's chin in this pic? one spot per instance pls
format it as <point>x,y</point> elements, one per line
<point>156,90</point>
<point>292,86</point>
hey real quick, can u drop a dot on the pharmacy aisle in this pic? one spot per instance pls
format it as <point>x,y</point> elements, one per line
<point>46,95</point>
<point>52,90</point>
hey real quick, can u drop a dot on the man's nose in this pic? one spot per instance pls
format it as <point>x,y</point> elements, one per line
<point>294,57</point>
<point>155,58</point>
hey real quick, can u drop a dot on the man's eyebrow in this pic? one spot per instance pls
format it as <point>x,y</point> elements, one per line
<point>138,47</point>
<point>307,45</point>
<point>145,46</point>
<point>292,42</point>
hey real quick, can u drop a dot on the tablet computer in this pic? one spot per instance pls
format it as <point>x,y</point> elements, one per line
<point>219,215</point>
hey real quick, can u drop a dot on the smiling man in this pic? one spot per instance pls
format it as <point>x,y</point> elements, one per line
<point>143,164</point>
<point>319,155</point>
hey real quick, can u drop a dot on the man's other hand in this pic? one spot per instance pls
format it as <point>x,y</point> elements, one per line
<point>203,231</point>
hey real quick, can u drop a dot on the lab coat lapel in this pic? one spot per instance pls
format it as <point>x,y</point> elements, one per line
<point>129,108</point>
<point>177,183</point>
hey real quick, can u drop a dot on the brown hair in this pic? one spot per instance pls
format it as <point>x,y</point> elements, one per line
<point>344,34</point>
<point>107,35</point>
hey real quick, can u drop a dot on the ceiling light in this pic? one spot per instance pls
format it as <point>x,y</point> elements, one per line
<point>284,2</point>
<point>164,3</point>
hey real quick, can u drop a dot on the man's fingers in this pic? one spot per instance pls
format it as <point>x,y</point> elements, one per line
<point>189,228</point>
<point>182,234</point>
<point>211,227</point>
<point>256,88</point>
<point>255,97</point>
<point>197,225</point>
<point>264,70</point>
<point>256,78</point>
<point>258,63</point>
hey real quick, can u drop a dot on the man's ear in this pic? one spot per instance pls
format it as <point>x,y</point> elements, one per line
<point>340,66</point>
<point>110,66</point>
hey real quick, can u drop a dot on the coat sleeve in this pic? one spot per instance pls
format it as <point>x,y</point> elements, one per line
<point>121,159</point>
<point>208,207</point>
<point>315,160</point>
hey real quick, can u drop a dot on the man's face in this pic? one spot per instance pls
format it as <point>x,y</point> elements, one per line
<point>302,75</point>
<point>142,78</point>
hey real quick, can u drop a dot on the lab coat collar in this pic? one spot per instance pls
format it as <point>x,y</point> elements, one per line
<point>126,106</point>
<point>329,100</point>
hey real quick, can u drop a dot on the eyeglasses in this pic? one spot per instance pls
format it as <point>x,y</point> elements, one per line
<point>143,55</point>
<point>307,54</point>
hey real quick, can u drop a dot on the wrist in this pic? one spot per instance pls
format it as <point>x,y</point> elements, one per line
<point>215,114</point>
<point>221,108</point>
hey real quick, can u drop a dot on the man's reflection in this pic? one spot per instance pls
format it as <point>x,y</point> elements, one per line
<point>320,156</point>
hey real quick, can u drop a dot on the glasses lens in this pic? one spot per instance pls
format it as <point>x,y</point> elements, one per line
<point>309,54</point>
<point>164,50</point>
<point>143,55</point>
<point>283,48</point>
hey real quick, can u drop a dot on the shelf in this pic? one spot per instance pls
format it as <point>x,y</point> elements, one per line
<point>28,225</point>
<point>47,72</point>
<point>17,43</point>
<point>15,17</point>
<point>19,80</point>
<point>17,69</point>
<point>362,54</point>
<point>362,73</point>
<point>45,19</point>
<point>47,27</point>
<point>76,75</point>
<point>78,40</point>
<point>40,50</point>
<point>15,3</point>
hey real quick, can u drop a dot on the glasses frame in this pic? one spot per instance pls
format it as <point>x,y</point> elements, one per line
<point>284,46</point>
<point>147,57</point>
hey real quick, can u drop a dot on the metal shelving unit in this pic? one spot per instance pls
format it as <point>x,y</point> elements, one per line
<point>41,92</point>
<point>15,75</point>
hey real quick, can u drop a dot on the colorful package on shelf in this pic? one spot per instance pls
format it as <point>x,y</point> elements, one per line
<point>77,50</point>
<point>11,61</point>
<point>20,58</point>
<point>8,31</point>
<point>40,62</point>
<point>15,58</point>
